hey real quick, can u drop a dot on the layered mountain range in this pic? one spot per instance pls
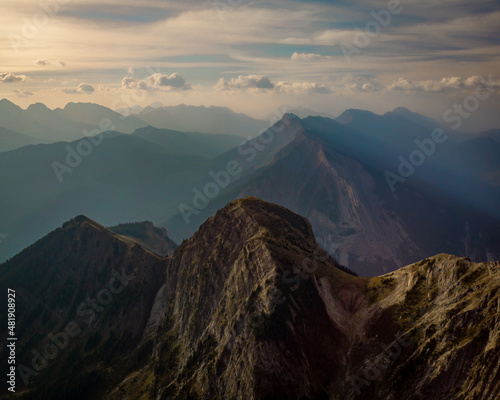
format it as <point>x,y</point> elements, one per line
<point>249,307</point>
<point>39,124</point>
<point>369,206</point>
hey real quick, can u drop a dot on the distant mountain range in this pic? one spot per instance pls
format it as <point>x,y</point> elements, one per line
<point>333,171</point>
<point>39,124</point>
<point>249,307</point>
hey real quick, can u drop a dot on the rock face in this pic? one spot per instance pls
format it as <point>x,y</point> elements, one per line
<point>251,307</point>
<point>82,279</point>
<point>339,196</point>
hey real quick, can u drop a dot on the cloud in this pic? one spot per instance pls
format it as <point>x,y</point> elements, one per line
<point>70,91</point>
<point>364,87</point>
<point>174,80</point>
<point>402,84</point>
<point>24,93</point>
<point>9,77</point>
<point>302,87</point>
<point>245,82</point>
<point>454,83</point>
<point>262,83</point>
<point>85,88</point>
<point>307,57</point>
<point>364,83</point>
<point>130,70</point>
<point>42,62</point>
<point>157,81</point>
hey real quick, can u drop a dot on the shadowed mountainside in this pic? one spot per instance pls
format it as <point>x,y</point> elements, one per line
<point>251,307</point>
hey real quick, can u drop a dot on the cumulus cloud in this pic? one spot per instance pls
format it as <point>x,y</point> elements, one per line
<point>24,93</point>
<point>262,83</point>
<point>157,81</point>
<point>245,82</point>
<point>454,83</point>
<point>308,57</point>
<point>361,83</point>
<point>42,62</point>
<point>9,77</point>
<point>302,87</point>
<point>364,87</point>
<point>402,84</point>
<point>61,63</point>
<point>85,88</point>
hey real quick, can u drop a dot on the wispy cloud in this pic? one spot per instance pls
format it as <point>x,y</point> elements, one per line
<point>23,94</point>
<point>454,83</point>
<point>308,57</point>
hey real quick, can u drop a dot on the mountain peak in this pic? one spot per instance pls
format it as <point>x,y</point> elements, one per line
<point>4,103</point>
<point>38,107</point>
<point>402,110</point>
<point>276,219</point>
<point>79,220</point>
<point>348,115</point>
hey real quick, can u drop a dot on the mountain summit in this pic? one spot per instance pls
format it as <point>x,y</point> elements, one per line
<point>249,307</point>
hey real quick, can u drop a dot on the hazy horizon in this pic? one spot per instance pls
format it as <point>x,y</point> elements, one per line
<point>253,56</point>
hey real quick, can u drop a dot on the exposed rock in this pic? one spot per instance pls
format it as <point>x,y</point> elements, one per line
<point>252,308</point>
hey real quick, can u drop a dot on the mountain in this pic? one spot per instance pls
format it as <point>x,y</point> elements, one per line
<point>303,112</point>
<point>94,115</point>
<point>200,144</point>
<point>10,140</point>
<point>75,121</point>
<point>88,288</point>
<point>136,176</point>
<point>331,173</point>
<point>147,235</point>
<point>331,176</point>
<point>249,307</point>
<point>39,122</point>
<point>217,120</point>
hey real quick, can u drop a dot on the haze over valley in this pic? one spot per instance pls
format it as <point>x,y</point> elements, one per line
<point>219,200</point>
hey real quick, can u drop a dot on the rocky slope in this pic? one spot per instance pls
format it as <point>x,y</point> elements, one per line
<point>334,177</point>
<point>251,307</point>
<point>147,235</point>
<point>89,289</point>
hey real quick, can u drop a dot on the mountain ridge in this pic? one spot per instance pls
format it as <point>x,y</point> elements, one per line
<point>251,306</point>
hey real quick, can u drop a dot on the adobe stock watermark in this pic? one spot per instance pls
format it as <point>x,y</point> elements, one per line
<point>31,27</point>
<point>454,117</point>
<point>221,6</point>
<point>362,39</point>
<point>220,180</point>
<point>88,309</point>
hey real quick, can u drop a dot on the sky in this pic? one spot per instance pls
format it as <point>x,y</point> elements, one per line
<point>255,56</point>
